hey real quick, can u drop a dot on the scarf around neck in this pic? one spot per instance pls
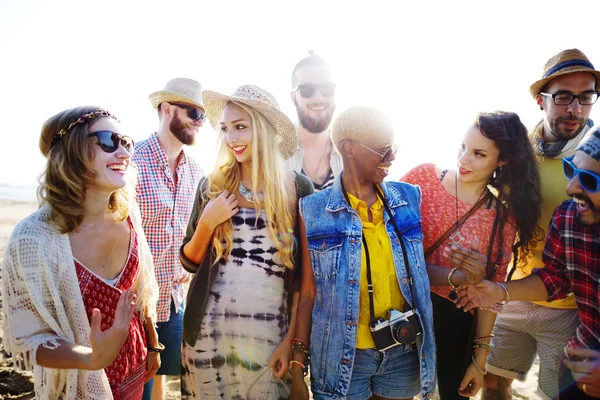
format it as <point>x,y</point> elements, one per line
<point>561,148</point>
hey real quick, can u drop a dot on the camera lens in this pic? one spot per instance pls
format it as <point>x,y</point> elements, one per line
<point>404,333</point>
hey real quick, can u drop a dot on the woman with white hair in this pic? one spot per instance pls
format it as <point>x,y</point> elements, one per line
<point>241,246</point>
<point>364,316</point>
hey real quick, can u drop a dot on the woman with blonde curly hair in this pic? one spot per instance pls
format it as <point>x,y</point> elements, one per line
<point>240,243</point>
<point>78,288</point>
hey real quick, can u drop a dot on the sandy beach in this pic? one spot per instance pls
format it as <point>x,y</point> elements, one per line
<point>19,385</point>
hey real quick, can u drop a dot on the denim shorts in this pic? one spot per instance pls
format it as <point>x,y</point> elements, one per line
<point>393,373</point>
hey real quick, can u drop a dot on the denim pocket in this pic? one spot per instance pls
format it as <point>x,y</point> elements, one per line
<point>325,255</point>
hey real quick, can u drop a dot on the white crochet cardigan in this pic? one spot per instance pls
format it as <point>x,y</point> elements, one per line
<point>41,302</point>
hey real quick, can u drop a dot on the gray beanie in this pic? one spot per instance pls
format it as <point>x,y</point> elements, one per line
<point>591,146</point>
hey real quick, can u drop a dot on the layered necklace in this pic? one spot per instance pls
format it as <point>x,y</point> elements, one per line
<point>248,195</point>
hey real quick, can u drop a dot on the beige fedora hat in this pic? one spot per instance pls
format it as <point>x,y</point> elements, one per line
<point>179,90</point>
<point>566,62</point>
<point>263,102</point>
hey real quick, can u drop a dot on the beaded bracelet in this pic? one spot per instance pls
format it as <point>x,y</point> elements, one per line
<point>477,365</point>
<point>304,367</point>
<point>300,347</point>
<point>482,346</point>
<point>482,338</point>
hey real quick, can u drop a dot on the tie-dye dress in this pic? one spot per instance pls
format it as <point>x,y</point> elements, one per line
<point>245,321</point>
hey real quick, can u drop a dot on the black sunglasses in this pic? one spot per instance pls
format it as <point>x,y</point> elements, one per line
<point>309,89</point>
<point>194,113</point>
<point>110,141</point>
<point>589,181</point>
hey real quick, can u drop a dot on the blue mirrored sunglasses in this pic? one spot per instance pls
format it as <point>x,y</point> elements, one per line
<point>589,181</point>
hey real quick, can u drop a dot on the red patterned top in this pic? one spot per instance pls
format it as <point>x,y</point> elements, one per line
<point>438,213</point>
<point>126,374</point>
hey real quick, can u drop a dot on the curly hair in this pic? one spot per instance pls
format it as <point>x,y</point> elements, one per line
<point>278,191</point>
<point>69,171</point>
<point>518,182</point>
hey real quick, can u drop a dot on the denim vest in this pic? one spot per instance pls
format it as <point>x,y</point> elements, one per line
<point>334,234</point>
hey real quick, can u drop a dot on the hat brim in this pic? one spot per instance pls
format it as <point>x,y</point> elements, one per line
<point>164,96</point>
<point>286,132</point>
<point>539,85</point>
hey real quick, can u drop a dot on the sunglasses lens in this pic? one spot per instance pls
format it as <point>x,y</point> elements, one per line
<point>127,144</point>
<point>568,169</point>
<point>108,141</point>
<point>389,153</point>
<point>195,114</point>
<point>307,91</point>
<point>588,181</point>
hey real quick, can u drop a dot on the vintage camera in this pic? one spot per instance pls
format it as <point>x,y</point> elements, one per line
<point>398,328</point>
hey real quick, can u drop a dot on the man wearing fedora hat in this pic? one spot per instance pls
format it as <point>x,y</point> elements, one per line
<point>313,95</point>
<point>565,93</point>
<point>167,181</point>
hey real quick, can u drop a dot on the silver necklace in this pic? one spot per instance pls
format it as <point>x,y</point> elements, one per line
<point>248,195</point>
<point>456,238</point>
<point>316,171</point>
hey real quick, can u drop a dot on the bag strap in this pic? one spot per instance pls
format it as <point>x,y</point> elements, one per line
<point>455,226</point>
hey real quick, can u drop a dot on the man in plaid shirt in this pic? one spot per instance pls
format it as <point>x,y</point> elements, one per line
<point>572,265</point>
<point>167,181</point>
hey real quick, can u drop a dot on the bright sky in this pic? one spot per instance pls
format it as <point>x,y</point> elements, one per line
<point>431,65</point>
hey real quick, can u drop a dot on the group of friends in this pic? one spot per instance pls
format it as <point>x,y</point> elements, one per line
<point>297,254</point>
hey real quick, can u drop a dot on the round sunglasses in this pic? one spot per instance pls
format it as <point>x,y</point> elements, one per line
<point>589,181</point>
<point>194,113</point>
<point>110,141</point>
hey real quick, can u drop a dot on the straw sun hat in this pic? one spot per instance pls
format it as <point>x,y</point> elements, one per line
<point>565,62</point>
<point>263,102</point>
<point>179,90</point>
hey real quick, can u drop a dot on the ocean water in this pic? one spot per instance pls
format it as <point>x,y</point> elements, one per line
<point>18,192</point>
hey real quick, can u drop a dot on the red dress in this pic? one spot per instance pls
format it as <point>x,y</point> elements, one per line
<point>126,374</point>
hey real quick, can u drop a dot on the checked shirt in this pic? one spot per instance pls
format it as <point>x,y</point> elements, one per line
<point>165,209</point>
<point>572,260</point>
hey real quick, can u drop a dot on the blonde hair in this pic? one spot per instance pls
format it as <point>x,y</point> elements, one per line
<point>69,170</point>
<point>361,124</point>
<point>278,189</point>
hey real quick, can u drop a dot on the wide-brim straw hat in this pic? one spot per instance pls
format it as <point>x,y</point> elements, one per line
<point>565,62</point>
<point>179,90</point>
<point>263,102</point>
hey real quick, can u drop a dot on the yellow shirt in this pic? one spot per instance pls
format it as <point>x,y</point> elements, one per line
<point>386,290</point>
<point>554,191</point>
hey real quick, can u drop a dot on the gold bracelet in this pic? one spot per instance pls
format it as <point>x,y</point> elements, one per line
<point>304,369</point>
<point>455,287</point>
<point>476,365</point>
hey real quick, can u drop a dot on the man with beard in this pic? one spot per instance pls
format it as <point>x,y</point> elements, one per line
<point>572,265</point>
<point>565,93</point>
<point>313,94</point>
<point>167,181</point>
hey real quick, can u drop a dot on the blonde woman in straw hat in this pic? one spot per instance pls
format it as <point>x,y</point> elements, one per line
<point>78,287</point>
<point>364,315</point>
<point>241,246</point>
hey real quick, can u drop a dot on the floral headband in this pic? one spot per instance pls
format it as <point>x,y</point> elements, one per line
<point>82,120</point>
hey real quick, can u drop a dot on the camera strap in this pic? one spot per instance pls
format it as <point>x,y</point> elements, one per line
<point>368,258</point>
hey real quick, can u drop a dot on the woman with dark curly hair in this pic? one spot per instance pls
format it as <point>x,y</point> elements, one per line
<point>471,217</point>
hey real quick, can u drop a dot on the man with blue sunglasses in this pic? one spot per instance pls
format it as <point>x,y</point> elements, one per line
<point>571,265</point>
<point>565,93</point>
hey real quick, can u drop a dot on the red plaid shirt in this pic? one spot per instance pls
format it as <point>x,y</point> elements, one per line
<point>572,260</point>
<point>165,213</point>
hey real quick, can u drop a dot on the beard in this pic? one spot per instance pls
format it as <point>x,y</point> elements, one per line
<point>560,135</point>
<point>315,125</point>
<point>180,131</point>
<point>590,219</point>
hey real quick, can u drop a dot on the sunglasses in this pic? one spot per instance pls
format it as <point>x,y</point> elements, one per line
<point>110,141</point>
<point>309,89</point>
<point>194,113</point>
<point>387,154</point>
<point>589,181</point>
